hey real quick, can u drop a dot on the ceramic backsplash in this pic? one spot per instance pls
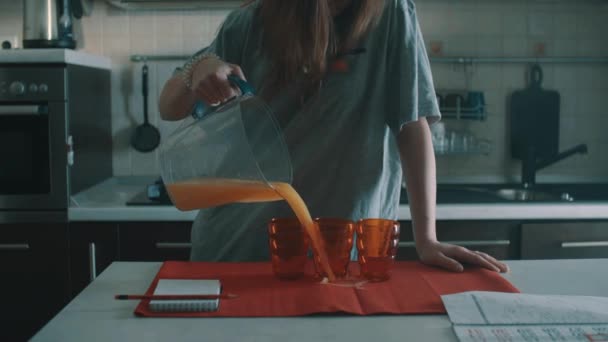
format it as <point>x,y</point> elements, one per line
<point>451,28</point>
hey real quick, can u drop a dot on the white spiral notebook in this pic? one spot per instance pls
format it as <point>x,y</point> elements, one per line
<point>186,287</point>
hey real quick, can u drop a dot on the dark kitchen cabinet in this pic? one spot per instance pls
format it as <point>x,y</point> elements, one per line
<point>155,241</point>
<point>498,238</point>
<point>564,240</point>
<point>34,277</point>
<point>93,247</point>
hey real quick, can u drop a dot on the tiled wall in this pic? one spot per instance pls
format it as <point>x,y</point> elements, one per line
<point>487,28</point>
<point>467,27</point>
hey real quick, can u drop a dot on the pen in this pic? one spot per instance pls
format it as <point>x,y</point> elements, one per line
<point>175,297</point>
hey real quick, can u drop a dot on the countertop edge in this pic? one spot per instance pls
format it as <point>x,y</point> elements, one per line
<point>74,57</point>
<point>135,213</point>
<point>105,202</point>
<point>502,211</point>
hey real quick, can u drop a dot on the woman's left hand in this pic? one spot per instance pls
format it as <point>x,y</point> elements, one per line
<point>450,257</point>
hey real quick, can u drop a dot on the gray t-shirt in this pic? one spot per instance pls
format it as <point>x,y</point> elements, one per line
<point>341,140</point>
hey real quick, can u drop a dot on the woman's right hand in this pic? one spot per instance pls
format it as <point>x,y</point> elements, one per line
<point>210,80</point>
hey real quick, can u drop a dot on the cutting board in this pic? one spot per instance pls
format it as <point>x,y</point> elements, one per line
<point>534,116</point>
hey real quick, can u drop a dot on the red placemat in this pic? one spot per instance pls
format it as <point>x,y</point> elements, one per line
<point>414,288</point>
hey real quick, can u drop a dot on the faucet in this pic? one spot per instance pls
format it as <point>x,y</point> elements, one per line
<point>530,164</point>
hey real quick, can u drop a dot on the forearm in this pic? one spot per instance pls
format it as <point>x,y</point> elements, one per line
<point>176,100</point>
<point>418,163</point>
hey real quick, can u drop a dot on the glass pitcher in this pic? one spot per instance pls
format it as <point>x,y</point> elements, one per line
<point>234,152</point>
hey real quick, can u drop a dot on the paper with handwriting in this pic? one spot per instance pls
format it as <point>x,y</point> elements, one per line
<point>497,316</point>
<point>532,333</point>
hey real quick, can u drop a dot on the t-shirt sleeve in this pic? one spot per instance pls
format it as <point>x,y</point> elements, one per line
<point>228,43</point>
<point>411,93</point>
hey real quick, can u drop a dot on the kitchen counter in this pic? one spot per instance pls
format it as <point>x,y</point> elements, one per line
<point>106,202</point>
<point>66,56</point>
<point>94,316</point>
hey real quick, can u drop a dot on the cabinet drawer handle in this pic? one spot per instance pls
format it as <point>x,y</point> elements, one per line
<point>14,247</point>
<point>19,110</point>
<point>92,262</point>
<point>472,243</point>
<point>173,245</point>
<point>584,244</point>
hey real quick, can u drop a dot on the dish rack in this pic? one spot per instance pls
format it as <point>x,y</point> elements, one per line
<point>462,104</point>
<point>457,142</point>
<point>471,147</point>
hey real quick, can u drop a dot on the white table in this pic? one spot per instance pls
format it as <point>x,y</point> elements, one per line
<point>95,316</point>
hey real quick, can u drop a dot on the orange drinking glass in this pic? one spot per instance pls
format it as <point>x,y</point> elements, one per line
<point>337,235</point>
<point>288,247</point>
<point>377,243</point>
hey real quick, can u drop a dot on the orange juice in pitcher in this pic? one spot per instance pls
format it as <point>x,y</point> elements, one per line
<point>204,193</point>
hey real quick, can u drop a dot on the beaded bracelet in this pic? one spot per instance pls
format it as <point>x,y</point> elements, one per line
<point>188,68</point>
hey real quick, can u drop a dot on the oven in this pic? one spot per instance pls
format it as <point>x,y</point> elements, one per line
<point>33,138</point>
<point>45,112</point>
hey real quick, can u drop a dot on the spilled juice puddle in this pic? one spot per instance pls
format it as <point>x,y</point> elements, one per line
<point>355,282</point>
<point>204,193</point>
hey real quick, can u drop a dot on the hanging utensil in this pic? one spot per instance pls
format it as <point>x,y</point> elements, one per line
<point>146,137</point>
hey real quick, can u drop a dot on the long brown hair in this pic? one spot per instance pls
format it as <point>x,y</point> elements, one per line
<point>300,36</point>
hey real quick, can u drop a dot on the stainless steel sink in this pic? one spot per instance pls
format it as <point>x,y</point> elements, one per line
<point>516,193</point>
<point>492,195</point>
<point>529,195</point>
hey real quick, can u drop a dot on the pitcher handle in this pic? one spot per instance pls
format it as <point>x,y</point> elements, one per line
<point>201,108</point>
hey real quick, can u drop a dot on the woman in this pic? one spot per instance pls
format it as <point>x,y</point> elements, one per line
<point>351,85</point>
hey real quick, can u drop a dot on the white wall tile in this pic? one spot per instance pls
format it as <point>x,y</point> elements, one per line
<point>116,22</point>
<point>168,23</point>
<point>461,22</point>
<point>141,24</point>
<point>586,77</point>
<point>487,77</point>
<point>568,102</point>
<point>514,23</point>
<point>448,76</point>
<point>515,46</point>
<point>594,47</point>
<point>142,44</point>
<point>433,22</point>
<point>167,45</point>
<point>565,25</point>
<point>599,78</point>
<point>192,43</point>
<point>460,45</point>
<point>540,24</point>
<point>591,103</point>
<point>116,45</point>
<point>565,47</point>
<point>194,23</point>
<point>490,46</point>
<point>590,23</point>
<point>513,77</point>
<point>489,22</point>
<point>144,163</point>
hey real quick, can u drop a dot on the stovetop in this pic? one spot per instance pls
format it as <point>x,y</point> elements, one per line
<point>153,194</point>
<point>142,199</point>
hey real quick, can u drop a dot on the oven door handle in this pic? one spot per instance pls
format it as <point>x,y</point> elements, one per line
<point>20,110</point>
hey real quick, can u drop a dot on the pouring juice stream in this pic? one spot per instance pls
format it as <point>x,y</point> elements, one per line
<point>203,193</point>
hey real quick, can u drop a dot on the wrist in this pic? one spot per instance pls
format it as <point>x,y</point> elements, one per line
<point>425,242</point>
<point>424,227</point>
<point>189,67</point>
<point>425,237</point>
